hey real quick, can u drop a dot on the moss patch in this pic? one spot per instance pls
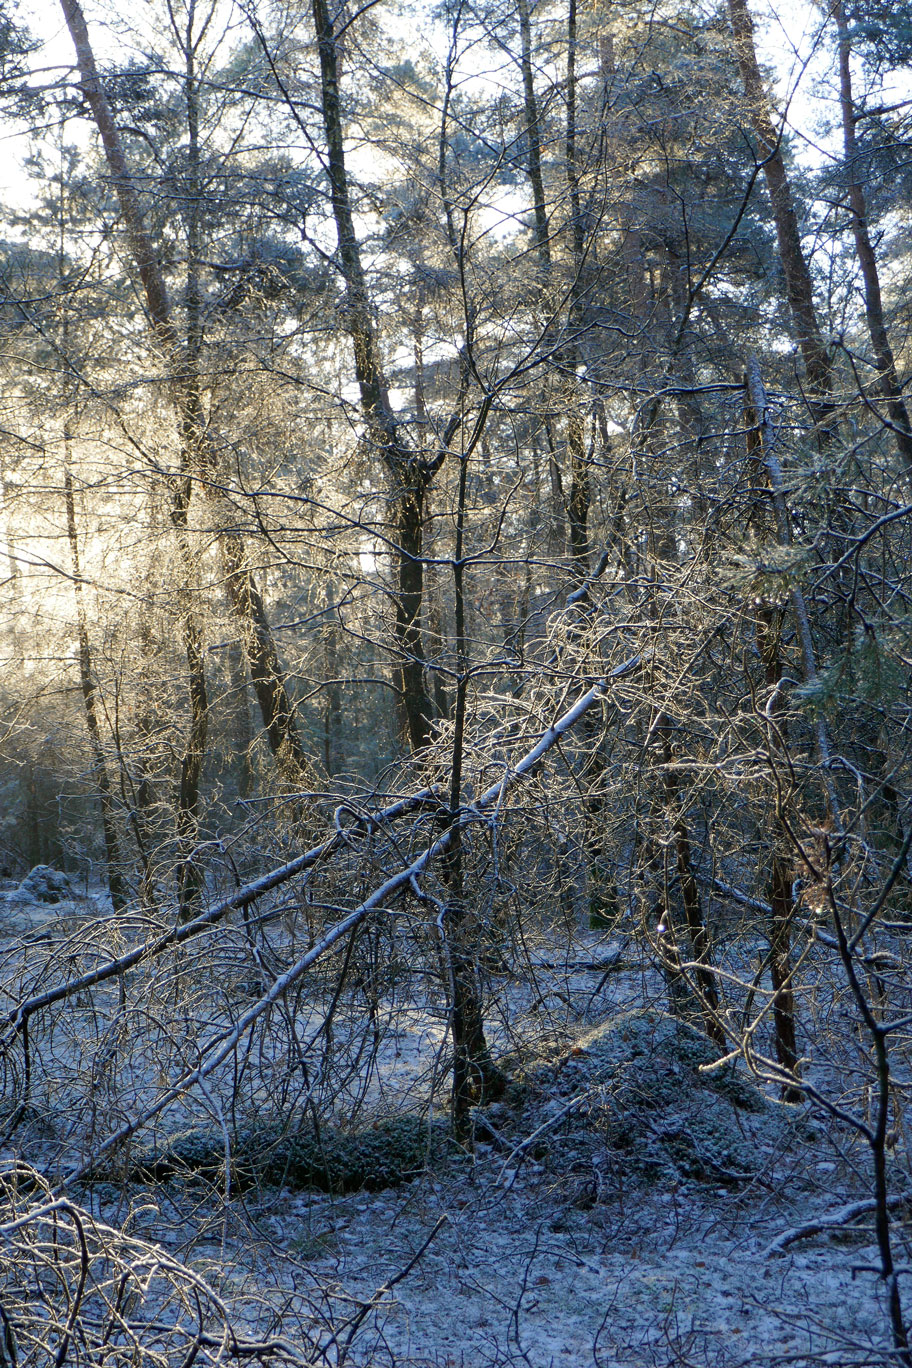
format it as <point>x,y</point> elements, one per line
<point>337,1161</point>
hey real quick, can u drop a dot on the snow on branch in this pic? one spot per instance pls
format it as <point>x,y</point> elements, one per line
<point>220,1045</point>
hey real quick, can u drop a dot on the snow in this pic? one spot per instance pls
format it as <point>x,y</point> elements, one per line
<point>559,1252</point>
<point>516,1275</point>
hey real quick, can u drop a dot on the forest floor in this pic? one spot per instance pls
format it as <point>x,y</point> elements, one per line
<point>630,1234</point>
<point>520,1276</point>
<point>520,1272</point>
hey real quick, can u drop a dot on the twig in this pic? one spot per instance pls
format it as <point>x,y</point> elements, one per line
<point>834,1221</point>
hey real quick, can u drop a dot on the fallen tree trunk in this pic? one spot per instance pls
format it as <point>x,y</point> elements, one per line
<point>243,897</point>
<point>221,1044</point>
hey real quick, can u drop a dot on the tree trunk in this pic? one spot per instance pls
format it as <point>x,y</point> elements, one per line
<point>571,162</point>
<point>533,137</point>
<point>189,877</point>
<point>799,287</point>
<point>888,380</point>
<point>198,456</point>
<point>409,475</point>
<point>116,883</point>
<point>475,1078</point>
<point>769,621</point>
<point>416,701</point>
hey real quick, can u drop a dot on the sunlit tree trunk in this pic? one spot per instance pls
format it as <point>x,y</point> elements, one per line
<point>197,454</point>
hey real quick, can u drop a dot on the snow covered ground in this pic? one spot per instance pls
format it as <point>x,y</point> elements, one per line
<point>588,1247</point>
<point>517,1275</point>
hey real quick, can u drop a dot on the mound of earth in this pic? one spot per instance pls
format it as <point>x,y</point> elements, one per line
<point>634,1101</point>
<point>45,885</point>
